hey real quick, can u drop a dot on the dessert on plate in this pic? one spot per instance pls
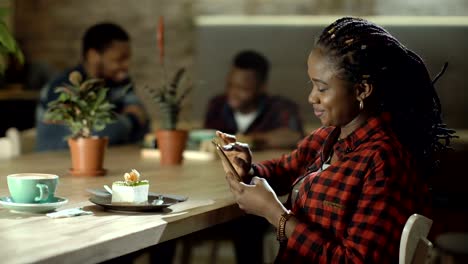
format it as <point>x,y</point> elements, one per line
<point>132,190</point>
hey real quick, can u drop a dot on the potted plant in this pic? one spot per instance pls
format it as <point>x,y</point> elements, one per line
<point>83,107</point>
<point>170,98</point>
<point>170,140</point>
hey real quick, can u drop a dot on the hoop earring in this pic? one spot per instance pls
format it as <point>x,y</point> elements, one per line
<point>361,105</point>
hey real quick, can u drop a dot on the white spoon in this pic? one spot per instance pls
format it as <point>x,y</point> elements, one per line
<point>108,189</point>
<point>158,201</point>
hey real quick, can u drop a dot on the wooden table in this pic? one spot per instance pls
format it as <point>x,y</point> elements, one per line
<point>27,238</point>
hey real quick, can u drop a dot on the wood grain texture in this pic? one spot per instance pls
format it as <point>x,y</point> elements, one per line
<point>36,238</point>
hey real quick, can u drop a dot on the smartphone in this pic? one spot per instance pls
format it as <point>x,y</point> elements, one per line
<point>223,156</point>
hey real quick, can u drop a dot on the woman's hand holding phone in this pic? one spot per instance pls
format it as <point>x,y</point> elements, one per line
<point>239,155</point>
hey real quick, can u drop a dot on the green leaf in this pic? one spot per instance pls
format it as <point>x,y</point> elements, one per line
<point>6,38</point>
<point>19,54</point>
<point>104,109</point>
<point>176,80</point>
<point>101,96</point>
<point>4,12</point>
<point>124,90</point>
<point>99,126</point>
<point>9,43</point>
<point>82,104</point>
<point>90,84</point>
<point>63,97</point>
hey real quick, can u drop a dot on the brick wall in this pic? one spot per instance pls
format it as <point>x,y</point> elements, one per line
<point>50,30</point>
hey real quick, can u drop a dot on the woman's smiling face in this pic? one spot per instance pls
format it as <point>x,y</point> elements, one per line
<point>334,100</point>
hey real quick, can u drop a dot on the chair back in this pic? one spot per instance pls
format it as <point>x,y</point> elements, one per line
<point>10,145</point>
<point>415,248</point>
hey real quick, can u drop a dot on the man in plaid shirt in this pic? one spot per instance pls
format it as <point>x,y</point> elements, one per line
<point>357,179</point>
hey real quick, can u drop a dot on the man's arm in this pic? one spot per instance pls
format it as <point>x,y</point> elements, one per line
<point>133,116</point>
<point>138,112</point>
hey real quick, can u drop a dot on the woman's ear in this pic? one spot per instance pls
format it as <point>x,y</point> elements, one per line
<point>363,91</point>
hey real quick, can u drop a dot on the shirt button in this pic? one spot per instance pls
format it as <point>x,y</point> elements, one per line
<point>348,150</point>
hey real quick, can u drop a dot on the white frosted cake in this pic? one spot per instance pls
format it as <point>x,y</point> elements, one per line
<point>132,190</point>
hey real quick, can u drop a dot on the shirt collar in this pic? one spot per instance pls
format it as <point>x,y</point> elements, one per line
<point>362,134</point>
<point>229,112</point>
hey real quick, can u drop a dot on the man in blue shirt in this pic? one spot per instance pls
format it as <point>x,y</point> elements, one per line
<point>106,55</point>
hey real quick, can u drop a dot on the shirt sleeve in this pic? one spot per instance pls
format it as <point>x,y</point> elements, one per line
<point>210,115</point>
<point>282,172</point>
<point>215,117</point>
<point>130,98</point>
<point>126,127</point>
<point>119,131</point>
<point>374,230</point>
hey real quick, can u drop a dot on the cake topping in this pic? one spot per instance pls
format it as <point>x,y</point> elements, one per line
<point>132,177</point>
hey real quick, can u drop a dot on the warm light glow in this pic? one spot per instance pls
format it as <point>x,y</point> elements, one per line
<point>326,20</point>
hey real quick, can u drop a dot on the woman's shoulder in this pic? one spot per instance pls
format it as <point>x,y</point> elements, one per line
<point>320,134</point>
<point>323,131</point>
<point>386,147</point>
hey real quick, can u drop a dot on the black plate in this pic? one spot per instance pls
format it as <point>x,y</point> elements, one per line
<point>146,207</point>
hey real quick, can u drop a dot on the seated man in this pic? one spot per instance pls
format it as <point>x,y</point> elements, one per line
<point>248,111</point>
<point>261,120</point>
<point>106,55</point>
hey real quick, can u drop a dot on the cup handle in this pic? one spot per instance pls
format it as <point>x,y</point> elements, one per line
<point>44,192</point>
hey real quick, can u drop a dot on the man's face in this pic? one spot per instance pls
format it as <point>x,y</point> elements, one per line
<point>242,89</point>
<point>113,62</point>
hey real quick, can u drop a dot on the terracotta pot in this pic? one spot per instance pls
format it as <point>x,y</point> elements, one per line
<point>171,144</point>
<point>87,155</point>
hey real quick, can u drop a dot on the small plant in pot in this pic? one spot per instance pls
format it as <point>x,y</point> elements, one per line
<point>83,107</point>
<point>169,97</point>
<point>170,140</point>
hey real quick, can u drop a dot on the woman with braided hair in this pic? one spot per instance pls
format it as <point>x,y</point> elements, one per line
<point>353,182</point>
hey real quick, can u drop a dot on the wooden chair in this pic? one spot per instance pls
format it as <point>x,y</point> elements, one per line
<point>415,248</point>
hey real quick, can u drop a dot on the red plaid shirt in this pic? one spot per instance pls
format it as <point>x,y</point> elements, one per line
<point>355,210</point>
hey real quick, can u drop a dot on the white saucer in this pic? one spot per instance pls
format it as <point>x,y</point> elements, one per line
<point>7,202</point>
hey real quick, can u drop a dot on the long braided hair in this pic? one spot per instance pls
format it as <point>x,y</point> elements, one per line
<point>366,53</point>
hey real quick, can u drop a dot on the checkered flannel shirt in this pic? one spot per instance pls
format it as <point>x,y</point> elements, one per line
<point>355,210</point>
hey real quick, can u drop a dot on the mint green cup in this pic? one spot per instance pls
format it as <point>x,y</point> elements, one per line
<point>32,187</point>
